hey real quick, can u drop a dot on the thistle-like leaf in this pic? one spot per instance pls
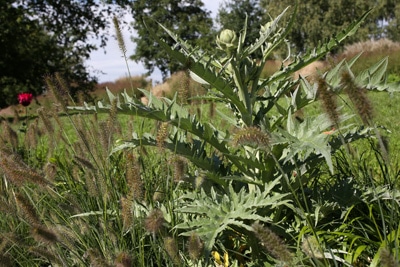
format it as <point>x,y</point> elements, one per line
<point>169,111</point>
<point>375,75</point>
<point>318,52</point>
<point>267,34</point>
<point>203,66</point>
<point>214,213</point>
<point>308,138</point>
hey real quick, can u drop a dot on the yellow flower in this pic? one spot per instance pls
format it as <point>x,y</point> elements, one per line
<point>218,261</point>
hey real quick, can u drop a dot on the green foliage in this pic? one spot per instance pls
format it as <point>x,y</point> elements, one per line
<point>40,38</point>
<point>26,52</point>
<point>318,20</point>
<point>231,15</point>
<point>188,18</point>
<point>214,213</point>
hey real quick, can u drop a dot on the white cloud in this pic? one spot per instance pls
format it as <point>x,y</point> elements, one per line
<point>113,65</point>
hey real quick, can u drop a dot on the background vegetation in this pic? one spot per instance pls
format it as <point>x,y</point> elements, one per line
<point>42,38</point>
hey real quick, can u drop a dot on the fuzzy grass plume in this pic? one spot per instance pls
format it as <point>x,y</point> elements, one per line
<point>328,100</point>
<point>272,243</point>
<point>251,136</point>
<point>154,221</point>
<point>195,246</point>
<point>133,180</point>
<point>359,98</point>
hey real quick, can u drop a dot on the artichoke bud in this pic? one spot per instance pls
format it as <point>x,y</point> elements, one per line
<point>227,40</point>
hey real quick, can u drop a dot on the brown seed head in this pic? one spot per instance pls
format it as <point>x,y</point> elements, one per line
<point>123,260</point>
<point>328,100</point>
<point>272,243</point>
<point>195,246</point>
<point>43,234</point>
<point>359,98</point>
<point>154,221</point>
<point>172,249</point>
<point>251,136</point>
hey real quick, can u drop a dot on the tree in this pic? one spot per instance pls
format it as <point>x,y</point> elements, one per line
<point>232,14</point>
<point>392,17</point>
<point>28,53</point>
<point>318,20</point>
<point>187,18</point>
<point>39,38</point>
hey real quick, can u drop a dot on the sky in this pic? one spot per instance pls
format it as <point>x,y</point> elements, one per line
<point>111,65</point>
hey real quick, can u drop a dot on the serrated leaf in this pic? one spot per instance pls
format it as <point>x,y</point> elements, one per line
<point>214,213</point>
<point>204,70</point>
<point>317,53</point>
<point>264,36</point>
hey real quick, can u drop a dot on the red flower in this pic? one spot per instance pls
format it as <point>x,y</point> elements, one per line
<point>25,99</point>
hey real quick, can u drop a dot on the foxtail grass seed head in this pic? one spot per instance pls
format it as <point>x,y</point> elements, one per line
<point>179,168</point>
<point>56,92</point>
<point>126,213</point>
<point>95,259</point>
<point>183,91</point>
<point>83,163</point>
<point>84,137</point>
<point>158,196</point>
<point>123,260</point>
<point>311,247</point>
<point>45,235</point>
<point>9,136</point>
<point>120,38</point>
<point>195,246</point>
<point>44,116</point>
<point>35,177</point>
<point>112,118</point>
<point>272,243</point>
<point>251,136</point>
<point>90,180</point>
<point>133,179</point>
<point>50,171</point>
<point>212,109</point>
<point>11,173</point>
<point>387,259</point>
<point>105,136</point>
<point>47,254</point>
<point>328,101</point>
<point>359,98</point>
<point>172,249</point>
<point>19,173</point>
<point>63,88</point>
<point>32,134</point>
<point>154,221</point>
<point>162,134</point>
<point>27,210</point>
